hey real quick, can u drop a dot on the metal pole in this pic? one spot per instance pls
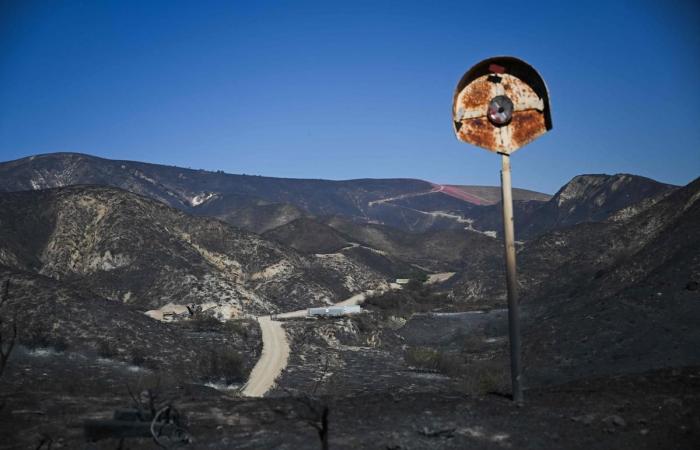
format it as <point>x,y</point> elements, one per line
<point>511,279</point>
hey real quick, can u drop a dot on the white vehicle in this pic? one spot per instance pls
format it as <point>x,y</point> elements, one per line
<point>334,311</point>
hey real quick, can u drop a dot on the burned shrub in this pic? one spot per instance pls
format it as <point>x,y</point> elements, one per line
<point>40,335</point>
<point>431,359</point>
<point>422,357</point>
<point>364,322</point>
<point>404,303</point>
<point>202,323</point>
<point>485,377</point>
<point>59,344</point>
<point>138,357</point>
<point>221,366</point>
<point>238,327</point>
<point>106,349</point>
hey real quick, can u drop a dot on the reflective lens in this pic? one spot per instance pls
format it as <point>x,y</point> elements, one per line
<point>500,110</point>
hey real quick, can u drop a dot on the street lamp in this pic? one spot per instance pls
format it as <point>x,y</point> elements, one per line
<point>502,104</point>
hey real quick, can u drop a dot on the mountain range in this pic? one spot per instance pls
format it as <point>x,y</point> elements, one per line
<point>259,204</point>
<point>146,236</point>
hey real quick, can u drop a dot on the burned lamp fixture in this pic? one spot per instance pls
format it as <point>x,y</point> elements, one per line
<point>501,104</point>
<point>500,110</point>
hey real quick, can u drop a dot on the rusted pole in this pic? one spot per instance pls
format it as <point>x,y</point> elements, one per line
<point>511,279</point>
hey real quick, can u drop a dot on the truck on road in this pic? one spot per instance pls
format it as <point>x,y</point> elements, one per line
<point>334,311</point>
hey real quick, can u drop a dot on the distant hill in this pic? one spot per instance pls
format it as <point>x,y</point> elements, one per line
<point>260,203</point>
<point>591,198</point>
<point>586,198</point>
<point>277,200</point>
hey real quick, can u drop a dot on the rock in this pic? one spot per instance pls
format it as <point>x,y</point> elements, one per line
<point>615,420</point>
<point>586,419</point>
<point>673,402</point>
<point>437,432</point>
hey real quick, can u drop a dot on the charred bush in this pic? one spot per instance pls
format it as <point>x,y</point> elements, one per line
<point>203,323</point>
<point>106,349</point>
<point>414,285</point>
<point>225,365</point>
<point>364,323</point>
<point>37,337</point>
<point>138,357</point>
<point>485,377</point>
<point>238,327</point>
<point>59,344</point>
<point>435,360</point>
<point>405,302</point>
<point>7,341</point>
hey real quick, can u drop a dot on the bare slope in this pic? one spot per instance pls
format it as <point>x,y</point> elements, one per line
<point>618,296</point>
<point>129,248</point>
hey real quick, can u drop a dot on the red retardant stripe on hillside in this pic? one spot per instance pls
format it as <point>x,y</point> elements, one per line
<point>467,197</point>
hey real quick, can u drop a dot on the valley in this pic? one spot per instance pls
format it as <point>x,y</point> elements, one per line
<point>126,278</point>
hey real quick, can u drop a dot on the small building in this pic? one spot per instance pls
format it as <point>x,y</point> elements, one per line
<point>334,311</point>
<point>403,280</point>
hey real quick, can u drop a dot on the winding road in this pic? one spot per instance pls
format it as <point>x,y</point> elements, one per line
<point>272,361</point>
<point>275,353</point>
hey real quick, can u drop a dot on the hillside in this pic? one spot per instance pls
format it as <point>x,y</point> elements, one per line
<point>63,316</point>
<point>618,296</point>
<point>591,198</point>
<point>132,249</point>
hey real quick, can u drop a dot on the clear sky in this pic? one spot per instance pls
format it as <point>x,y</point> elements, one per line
<point>348,89</point>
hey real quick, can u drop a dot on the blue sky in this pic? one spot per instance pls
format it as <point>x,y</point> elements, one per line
<point>348,89</point>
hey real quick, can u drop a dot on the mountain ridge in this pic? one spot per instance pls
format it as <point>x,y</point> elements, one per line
<point>260,204</point>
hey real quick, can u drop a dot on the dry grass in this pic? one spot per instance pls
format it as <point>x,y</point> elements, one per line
<point>431,359</point>
<point>475,377</point>
<point>485,377</point>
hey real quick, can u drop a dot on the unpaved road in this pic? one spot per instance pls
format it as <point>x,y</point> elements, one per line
<point>407,195</point>
<point>276,349</point>
<point>272,361</point>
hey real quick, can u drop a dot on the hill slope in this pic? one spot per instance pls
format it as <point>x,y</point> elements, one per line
<point>618,296</point>
<point>132,249</point>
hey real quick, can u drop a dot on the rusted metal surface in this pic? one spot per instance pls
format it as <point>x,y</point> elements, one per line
<point>501,76</point>
<point>478,132</point>
<point>527,126</point>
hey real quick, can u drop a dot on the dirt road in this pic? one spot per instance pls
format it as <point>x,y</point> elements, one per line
<point>276,349</point>
<point>272,361</point>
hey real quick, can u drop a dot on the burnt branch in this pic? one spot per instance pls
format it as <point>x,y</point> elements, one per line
<point>314,412</point>
<point>7,343</point>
